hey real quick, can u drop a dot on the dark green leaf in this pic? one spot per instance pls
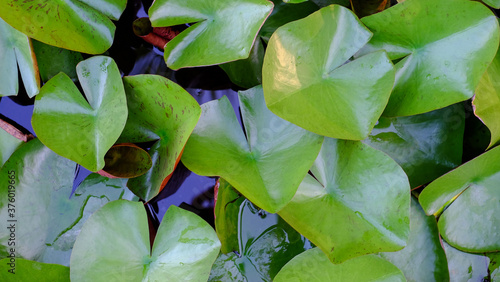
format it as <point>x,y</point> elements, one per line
<point>126,161</point>
<point>306,83</point>
<point>161,111</point>
<point>357,202</point>
<point>227,207</point>
<point>52,60</point>
<point>364,8</point>
<point>259,167</point>
<point>443,48</point>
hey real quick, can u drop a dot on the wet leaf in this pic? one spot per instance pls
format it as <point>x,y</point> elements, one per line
<point>437,67</point>
<point>306,83</point>
<point>27,270</point>
<point>52,60</point>
<point>114,245</point>
<point>426,146</point>
<point>364,8</point>
<point>465,266</point>
<point>84,26</point>
<point>487,100</point>
<point>224,30</point>
<point>266,244</point>
<point>423,259</point>
<point>82,129</point>
<point>357,202</point>
<point>48,216</point>
<point>257,166</point>
<point>126,161</point>
<point>160,111</point>
<point>226,211</point>
<point>472,221</point>
<point>16,50</point>
<point>313,265</point>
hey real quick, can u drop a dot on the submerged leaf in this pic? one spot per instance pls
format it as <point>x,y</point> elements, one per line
<point>307,83</point>
<point>114,246</point>
<point>82,129</point>
<point>224,30</point>
<point>267,166</point>
<point>443,48</point>
<point>356,202</point>
<point>84,26</point>
<point>126,161</point>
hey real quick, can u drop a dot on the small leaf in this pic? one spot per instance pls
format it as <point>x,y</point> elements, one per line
<point>470,223</point>
<point>224,30</point>
<point>306,83</point>
<point>487,100</point>
<point>113,245</point>
<point>27,270</point>
<point>357,202</point>
<point>78,129</point>
<point>259,167</point>
<point>423,259</point>
<point>160,111</point>
<point>437,67</point>
<point>16,50</point>
<point>83,26</point>
<point>313,265</point>
<point>426,146</point>
<point>126,161</point>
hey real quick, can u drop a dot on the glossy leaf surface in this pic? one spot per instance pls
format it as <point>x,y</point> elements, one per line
<point>437,67</point>
<point>313,265</point>
<point>48,219</point>
<point>266,244</point>
<point>52,60</point>
<point>423,259</point>
<point>114,245</point>
<point>426,146</point>
<point>83,25</point>
<point>16,50</point>
<point>126,161</point>
<point>306,83</point>
<point>224,30</point>
<point>465,266</point>
<point>27,270</point>
<point>487,100</point>
<point>161,111</point>
<point>82,129</point>
<point>471,223</point>
<point>357,202</point>
<point>257,166</point>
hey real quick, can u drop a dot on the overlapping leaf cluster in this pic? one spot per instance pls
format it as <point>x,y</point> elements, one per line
<point>351,142</point>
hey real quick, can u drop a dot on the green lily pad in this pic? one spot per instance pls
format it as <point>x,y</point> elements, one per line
<point>306,83</point>
<point>16,50</point>
<point>357,202</point>
<point>492,3</point>
<point>487,100</point>
<point>247,72</point>
<point>224,30</point>
<point>114,245</point>
<point>47,218</point>
<point>8,145</point>
<point>313,265</point>
<point>226,210</point>
<point>74,128</point>
<point>471,222</point>
<point>426,146</point>
<point>465,266</point>
<point>257,166</point>
<point>84,26</point>
<point>27,270</point>
<point>437,67</point>
<point>423,259</point>
<point>161,111</point>
<point>266,244</point>
<point>126,161</point>
<point>52,60</point>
